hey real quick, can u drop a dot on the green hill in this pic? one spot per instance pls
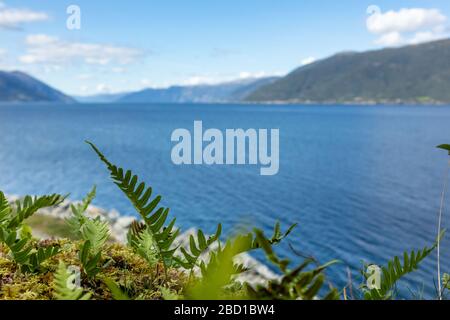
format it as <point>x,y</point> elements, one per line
<point>416,73</point>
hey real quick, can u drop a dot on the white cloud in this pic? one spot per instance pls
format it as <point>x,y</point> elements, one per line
<point>14,17</point>
<point>42,48</point>
<point>253,75</point>
<point>425,36</point>
<point>404,20</point>
<point>40,40</point>
<point>216,79</point>
<point>308,60</point>
<point>406,26</point>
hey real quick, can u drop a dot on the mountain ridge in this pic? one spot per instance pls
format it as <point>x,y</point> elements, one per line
<point>233,91</point>
<point>17,86</point>
<point>410,74</point>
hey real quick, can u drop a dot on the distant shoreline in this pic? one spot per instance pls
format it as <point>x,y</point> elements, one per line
<point>237,103</point>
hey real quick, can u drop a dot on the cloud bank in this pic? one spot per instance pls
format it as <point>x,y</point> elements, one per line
<point>42,48</point>
<point>14,17</point>
<point>406,26</point>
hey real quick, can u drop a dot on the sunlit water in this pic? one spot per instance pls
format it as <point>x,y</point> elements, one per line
<point>362,182</point>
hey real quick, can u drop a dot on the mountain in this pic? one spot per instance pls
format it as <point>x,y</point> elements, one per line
<point>415,73</point>
<point>225,92</point>
<point>19,87</point>
<point>101,98</point>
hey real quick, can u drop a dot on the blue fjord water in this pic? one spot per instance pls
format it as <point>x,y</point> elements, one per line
<point>363,182</point>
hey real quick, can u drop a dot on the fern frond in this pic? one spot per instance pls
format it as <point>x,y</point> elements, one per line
<point>144,245</point>
<point>19,249</point>
<point>42,254</point>
<point>78,218</point>
<point>395,270</point>
<point>134,231</point>
<point>299,283</point>
<point>81,208</point>
<point>218,272</point>
<point>140,196</point>
<point>30,205</point>
<point>5,209</point>
<point>88,260</point>
<point>116,292</point>
<point>64,286</point>
<point>254,242</point>
<point>23,253</point>
<point>96,232</point>
<point>197,248</point>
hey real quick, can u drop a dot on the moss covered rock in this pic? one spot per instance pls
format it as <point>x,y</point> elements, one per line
<point>119,263</point>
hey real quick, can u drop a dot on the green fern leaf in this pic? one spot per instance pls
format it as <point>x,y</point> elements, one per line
<point>144,246</point>
<point>5,209</point>
<point>140,196</point>
<point>76,221</point>
<point>116,292</point>
<point>395,270</point>
<point>96,232</point>
<point>30,205</point>
<point>197,248</point>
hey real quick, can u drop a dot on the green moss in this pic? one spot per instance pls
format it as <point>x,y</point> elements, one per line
<point>133,274</point>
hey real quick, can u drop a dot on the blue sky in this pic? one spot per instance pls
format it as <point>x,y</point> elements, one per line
<point>130,45</point>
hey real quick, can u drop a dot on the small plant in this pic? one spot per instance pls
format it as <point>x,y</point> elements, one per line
<point>441,209</point>
<point>93,231</point>
<point>16,235</point>
<point>395,270</point>
<point>197,247</point>
<point>296,284</point>
<point>154,217</point>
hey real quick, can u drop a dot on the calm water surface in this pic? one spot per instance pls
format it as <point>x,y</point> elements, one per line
<point>363,182</point>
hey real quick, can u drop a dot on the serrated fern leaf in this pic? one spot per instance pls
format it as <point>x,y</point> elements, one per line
<point>89,260</point>
<point>299,283</point>
<point>65,288</point>
<point>218,272</point>
<point>144,245</point>
<point>197,246</point>
<point>42,254</point>
<point>76,221</point>
<point>116,292</point>
<point>5,209</point>
<point>96,232</point>
<point>140,196</point>
<point>30,205</point>
<point>395,270</point>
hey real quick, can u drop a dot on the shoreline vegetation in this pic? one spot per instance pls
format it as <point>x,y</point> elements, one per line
<point>101,255</point>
